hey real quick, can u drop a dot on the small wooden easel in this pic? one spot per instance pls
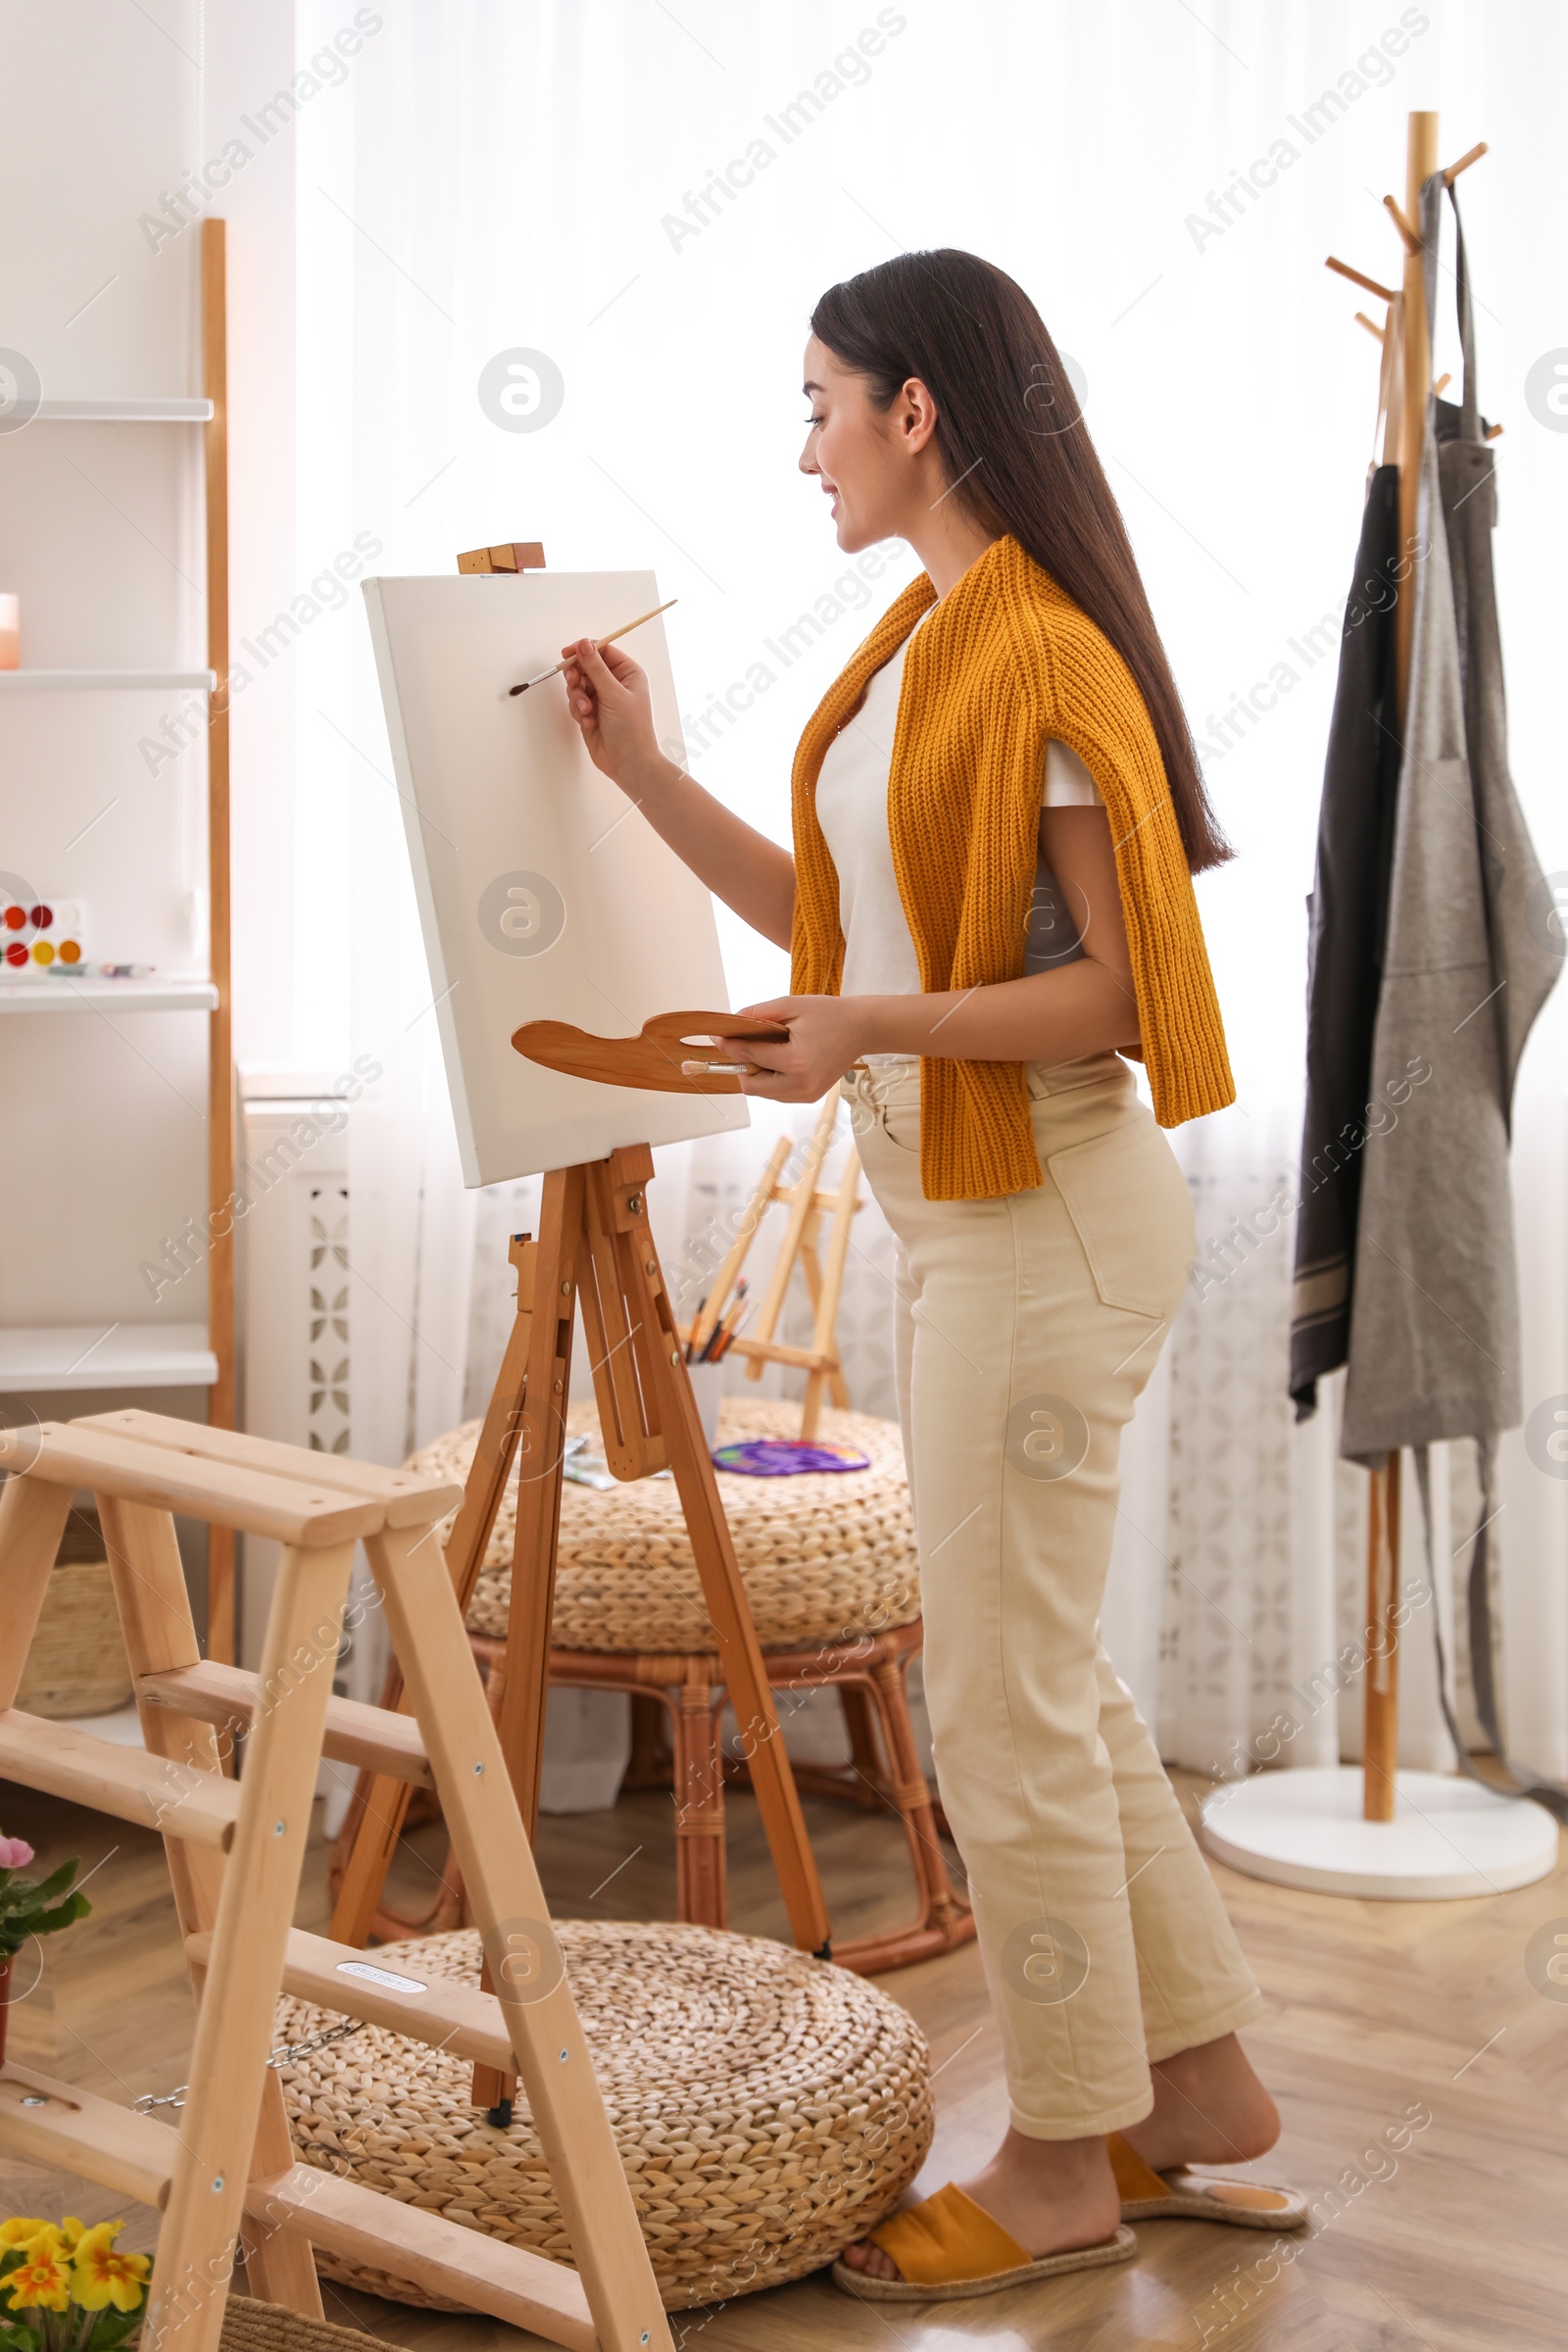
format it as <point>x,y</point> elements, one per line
<point>235,1849</point>
<point>808,1208</point>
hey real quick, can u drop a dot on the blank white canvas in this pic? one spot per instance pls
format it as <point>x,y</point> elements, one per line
<point>543,892</point>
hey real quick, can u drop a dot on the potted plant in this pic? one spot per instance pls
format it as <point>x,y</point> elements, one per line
<point>31,1907</point>
<point>63,2287</point>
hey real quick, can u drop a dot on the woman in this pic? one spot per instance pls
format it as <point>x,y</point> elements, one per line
<point>1008,747</point>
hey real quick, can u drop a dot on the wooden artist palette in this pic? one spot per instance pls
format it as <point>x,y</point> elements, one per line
<point>652,1059</point>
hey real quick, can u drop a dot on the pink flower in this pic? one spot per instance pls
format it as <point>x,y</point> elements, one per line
<point>15,1853</point>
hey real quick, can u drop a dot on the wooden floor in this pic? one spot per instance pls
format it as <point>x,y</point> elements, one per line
<point>1375,2010</point>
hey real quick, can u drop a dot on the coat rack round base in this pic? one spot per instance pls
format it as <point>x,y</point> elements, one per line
<point>1449,1836</point>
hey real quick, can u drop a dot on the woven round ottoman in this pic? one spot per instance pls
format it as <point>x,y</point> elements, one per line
<point>825,1555</point>
<point>769,2108</point>
<point>830,1570</point>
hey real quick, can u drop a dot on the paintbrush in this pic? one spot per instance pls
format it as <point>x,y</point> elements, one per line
<point>600,644</point>
<point>727,1335</point>
<point>729,1323</point>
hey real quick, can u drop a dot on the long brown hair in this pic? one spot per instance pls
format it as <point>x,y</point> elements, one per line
<point>1013,441</point>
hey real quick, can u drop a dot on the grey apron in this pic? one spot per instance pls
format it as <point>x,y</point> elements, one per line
<point>1469,962</point>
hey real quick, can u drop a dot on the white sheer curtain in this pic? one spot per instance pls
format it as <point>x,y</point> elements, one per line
<point>543,178</point>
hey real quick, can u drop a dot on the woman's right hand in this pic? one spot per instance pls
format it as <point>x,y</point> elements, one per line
<point>608,697</point>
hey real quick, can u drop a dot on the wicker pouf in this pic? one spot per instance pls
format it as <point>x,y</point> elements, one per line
<point>769,2108</point>
<point>825,1555</point>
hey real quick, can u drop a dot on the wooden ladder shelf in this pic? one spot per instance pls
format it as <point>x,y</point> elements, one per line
<point>235,1850</point>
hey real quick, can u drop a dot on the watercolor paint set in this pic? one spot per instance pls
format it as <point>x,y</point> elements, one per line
<point>42,934</point>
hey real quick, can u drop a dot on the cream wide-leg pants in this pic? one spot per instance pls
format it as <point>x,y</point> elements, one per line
<point>1027,1327</point>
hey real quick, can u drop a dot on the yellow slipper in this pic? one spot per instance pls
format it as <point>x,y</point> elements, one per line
<point>950,2247</point>
<point>1150,2196</point>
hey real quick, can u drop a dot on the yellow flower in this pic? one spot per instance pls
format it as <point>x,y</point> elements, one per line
<point>42,2281</point>
<point>59,2238</point>
<point>21,2232</point>
<point>102,2275</point>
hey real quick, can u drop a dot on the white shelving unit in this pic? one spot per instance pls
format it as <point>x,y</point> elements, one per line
<point>75,1357</point>
<point>125,412</point>
<point>174,995</point>
<point>103,681</point>
<point>119,1137</point>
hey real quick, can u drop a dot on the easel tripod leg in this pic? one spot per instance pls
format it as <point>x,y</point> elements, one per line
<point>541,1440</point>
<point>741,1659</point>
<point>379,1808</point>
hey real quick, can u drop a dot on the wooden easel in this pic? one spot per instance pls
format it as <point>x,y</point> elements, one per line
<point>595,1242</point>
<point>1406,383</point>
<point>235,1850</point>
<point>594,1247</point>
<point>808,1208</point>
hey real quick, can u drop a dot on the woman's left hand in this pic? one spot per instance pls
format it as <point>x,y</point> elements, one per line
<point>826,1035</point>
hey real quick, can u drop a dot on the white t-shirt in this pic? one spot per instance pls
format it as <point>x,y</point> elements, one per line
<point>852,808</point>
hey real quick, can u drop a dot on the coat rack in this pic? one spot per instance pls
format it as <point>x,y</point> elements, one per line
<point>1337,1829</point>
<point>1405,387</point>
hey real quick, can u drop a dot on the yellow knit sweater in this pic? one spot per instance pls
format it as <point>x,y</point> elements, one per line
<point>1009,663</point>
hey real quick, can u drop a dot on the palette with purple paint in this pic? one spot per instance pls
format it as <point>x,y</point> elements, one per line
<point>786,1457</point>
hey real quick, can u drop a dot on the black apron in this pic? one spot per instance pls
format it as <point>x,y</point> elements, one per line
<point>1346,916</point>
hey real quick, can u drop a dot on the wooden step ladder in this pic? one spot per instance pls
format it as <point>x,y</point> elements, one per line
<point>235,1850</point>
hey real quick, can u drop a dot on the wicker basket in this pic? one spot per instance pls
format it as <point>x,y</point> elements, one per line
<point>825,1556</point>
<point>77,1663</point>
<point>769,2108</point>
<point>253,2327</point>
